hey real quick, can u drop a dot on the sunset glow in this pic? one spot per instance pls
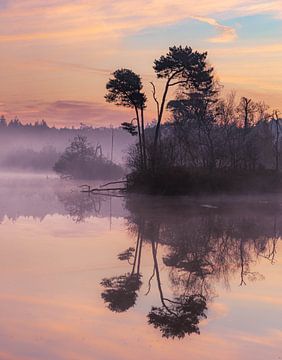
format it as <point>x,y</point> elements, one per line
<point>57,56</point>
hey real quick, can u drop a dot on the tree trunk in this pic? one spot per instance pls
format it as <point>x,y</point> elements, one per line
<point>143,139</point>
<point>139,137</point>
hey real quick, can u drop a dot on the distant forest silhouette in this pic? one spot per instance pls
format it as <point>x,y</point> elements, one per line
<point>37,147</point>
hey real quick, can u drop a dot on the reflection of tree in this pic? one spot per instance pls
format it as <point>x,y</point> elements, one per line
<point>80,206</point>
<point>177,317</point>
<point>180,317</point>
<point>201,249</point>
<point>121,291</point>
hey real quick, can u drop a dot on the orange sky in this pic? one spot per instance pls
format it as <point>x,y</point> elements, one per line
<point>56,56</point>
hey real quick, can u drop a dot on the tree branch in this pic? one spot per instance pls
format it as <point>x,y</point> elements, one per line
<point>178,82</point>
<point>155,98</point>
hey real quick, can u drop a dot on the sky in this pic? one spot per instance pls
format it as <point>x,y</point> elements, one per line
<point>57,55</point>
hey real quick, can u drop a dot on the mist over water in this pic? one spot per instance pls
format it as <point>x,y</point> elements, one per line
<point>38,196</point>
<point>93,276</point>
<point>36,148</point>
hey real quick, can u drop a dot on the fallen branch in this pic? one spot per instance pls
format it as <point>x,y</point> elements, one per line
<point>102,187</point>
<point>113,182</point>
<point>99,189</point>
<point>110,194</point>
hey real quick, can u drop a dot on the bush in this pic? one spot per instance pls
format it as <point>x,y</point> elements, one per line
<point>80,160</point>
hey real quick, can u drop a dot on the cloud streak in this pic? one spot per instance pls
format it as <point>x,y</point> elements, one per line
<point>66,112</point>
<point>36,20</point>
<point>226,33</point>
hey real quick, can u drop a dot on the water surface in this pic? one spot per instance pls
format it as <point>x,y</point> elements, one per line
<point>99,277</point>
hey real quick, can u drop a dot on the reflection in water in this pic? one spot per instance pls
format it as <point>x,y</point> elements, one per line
<point>81,206</point>
<point>203,246</point>
<point>179,316</point>
<point>121,291</point>
<point>182,252</point>
<point>38,197</point>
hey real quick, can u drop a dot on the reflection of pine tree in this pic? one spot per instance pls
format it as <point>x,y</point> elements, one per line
<point>181,317</point>
<point>201,249</point>
<point>121,291</point>
<point>80,206</point>
<point>177,317</point>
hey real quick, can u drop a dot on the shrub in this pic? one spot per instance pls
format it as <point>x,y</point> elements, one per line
<point>80,160</point>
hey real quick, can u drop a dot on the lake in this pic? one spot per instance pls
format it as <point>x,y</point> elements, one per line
<point>116,278</point>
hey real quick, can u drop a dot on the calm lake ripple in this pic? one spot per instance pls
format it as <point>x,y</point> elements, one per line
<point>137,277</point>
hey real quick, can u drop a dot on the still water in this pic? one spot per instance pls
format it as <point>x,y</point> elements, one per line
<point>108,278</point>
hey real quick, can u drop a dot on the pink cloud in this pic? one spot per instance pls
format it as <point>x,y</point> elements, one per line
<point>67,112</point>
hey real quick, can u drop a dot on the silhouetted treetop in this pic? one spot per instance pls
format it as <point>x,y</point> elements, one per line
<point>189,66</point>
<point>124,89</point>
<point>178,59</point>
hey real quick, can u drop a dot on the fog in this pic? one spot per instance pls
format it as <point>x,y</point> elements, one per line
<point>37,196</point>
<point>37,147</point>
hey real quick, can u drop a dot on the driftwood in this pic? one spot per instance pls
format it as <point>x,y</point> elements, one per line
<point>102,188</point>
<point>114,182</point>
<point>110,194</point>
<point>99,189</point>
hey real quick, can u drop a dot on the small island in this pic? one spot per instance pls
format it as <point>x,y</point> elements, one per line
<point>210,143</point>
<point>81,160</point>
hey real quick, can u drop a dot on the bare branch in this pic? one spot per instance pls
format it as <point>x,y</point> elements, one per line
<point>178,82</point>
<point>113,182</point>
<point>155,98</point>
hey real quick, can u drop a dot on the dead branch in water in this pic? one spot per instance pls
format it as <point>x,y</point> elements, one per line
<point>113,182</point>
<point>87,188</point>
<point>99,189</point>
